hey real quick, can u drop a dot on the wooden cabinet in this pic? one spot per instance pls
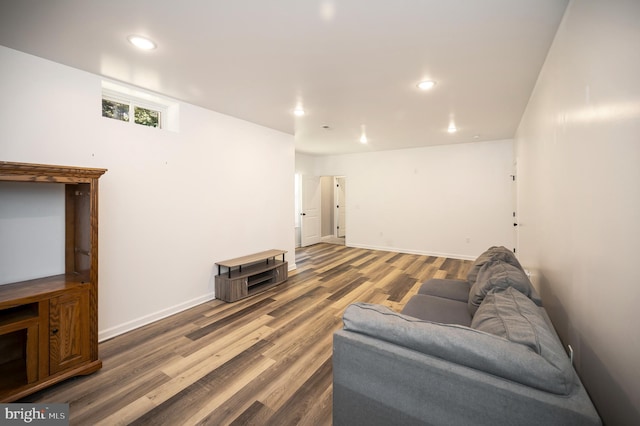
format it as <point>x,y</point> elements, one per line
<point>250,274</point>
<point>49,325</point>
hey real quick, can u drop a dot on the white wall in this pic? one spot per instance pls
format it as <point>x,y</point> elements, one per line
<point>453,200</point>
<point>578,150</point>
<point>32,230</point>
<point>171,203</point>
<point>305,164</point>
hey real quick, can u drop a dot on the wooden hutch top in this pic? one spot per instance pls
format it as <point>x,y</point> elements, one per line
<point>28,172</point>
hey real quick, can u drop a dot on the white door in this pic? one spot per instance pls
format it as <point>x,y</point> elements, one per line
<point>341,223</point>
<point>310,226</point>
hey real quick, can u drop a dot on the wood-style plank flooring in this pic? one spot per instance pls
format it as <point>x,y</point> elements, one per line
<point>262,360</point>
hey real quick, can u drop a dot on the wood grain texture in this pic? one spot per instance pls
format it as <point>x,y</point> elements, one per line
<point>263,360</point>
<point>251,258</point>
<point>68,330</point>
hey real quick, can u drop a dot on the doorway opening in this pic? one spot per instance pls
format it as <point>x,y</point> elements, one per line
<point>320,210</point>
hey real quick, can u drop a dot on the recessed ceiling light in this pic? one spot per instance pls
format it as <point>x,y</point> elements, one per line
<point>363,137</point>
<point>141,42</point>
<point>298,112</point>
<point>452,128</point>
<point>426,85</point>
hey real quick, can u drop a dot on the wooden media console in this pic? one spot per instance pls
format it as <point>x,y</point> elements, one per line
<point>250,274</point>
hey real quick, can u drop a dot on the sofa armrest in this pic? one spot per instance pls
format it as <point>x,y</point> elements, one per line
<point>376,382</point>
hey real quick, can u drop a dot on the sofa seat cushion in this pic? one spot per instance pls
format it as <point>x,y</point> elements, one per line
<point>465,346</point>
<point>438,309</point>
<point>497,274</point>
<point>492,253</point>
<point>447,288</point>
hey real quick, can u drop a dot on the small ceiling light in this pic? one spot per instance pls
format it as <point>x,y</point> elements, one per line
<point>452,128</point>
<point>141,42</point>
<point>328,10</point>
<point>299,111</point>
<point>363,138</point>
<point>426,85</point>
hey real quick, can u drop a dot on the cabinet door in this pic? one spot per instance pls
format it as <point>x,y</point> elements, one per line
<point>231,289</point>
<point>281,273</point>
<point>68,330</point>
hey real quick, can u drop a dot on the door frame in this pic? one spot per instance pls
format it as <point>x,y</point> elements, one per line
<point>336,210</point>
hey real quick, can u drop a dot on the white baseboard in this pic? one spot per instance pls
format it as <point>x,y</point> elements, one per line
<point>410,251</point>
<point>148,319</point>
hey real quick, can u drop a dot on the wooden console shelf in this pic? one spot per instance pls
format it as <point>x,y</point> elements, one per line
<point>49,325</point>
<point>252,274</point>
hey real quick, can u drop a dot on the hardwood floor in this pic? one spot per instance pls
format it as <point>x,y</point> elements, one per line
<point>261,360</point>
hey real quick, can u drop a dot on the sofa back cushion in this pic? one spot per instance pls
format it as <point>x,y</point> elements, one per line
<point>512,315</point>
<point>492,253</point>
<point>465,346</point>
<point>497,274</point>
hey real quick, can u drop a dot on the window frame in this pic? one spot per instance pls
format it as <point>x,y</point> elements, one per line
<point>133,102</point>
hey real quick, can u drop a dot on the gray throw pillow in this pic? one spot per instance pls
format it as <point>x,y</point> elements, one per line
<point>492,253</point>
<point>497,274</point>
<point>461,345</point>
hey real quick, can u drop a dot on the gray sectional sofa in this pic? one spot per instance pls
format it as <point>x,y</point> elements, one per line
<point>476,352</point>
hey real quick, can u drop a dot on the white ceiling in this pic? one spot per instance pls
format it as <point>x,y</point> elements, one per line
<point>351,63</point>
